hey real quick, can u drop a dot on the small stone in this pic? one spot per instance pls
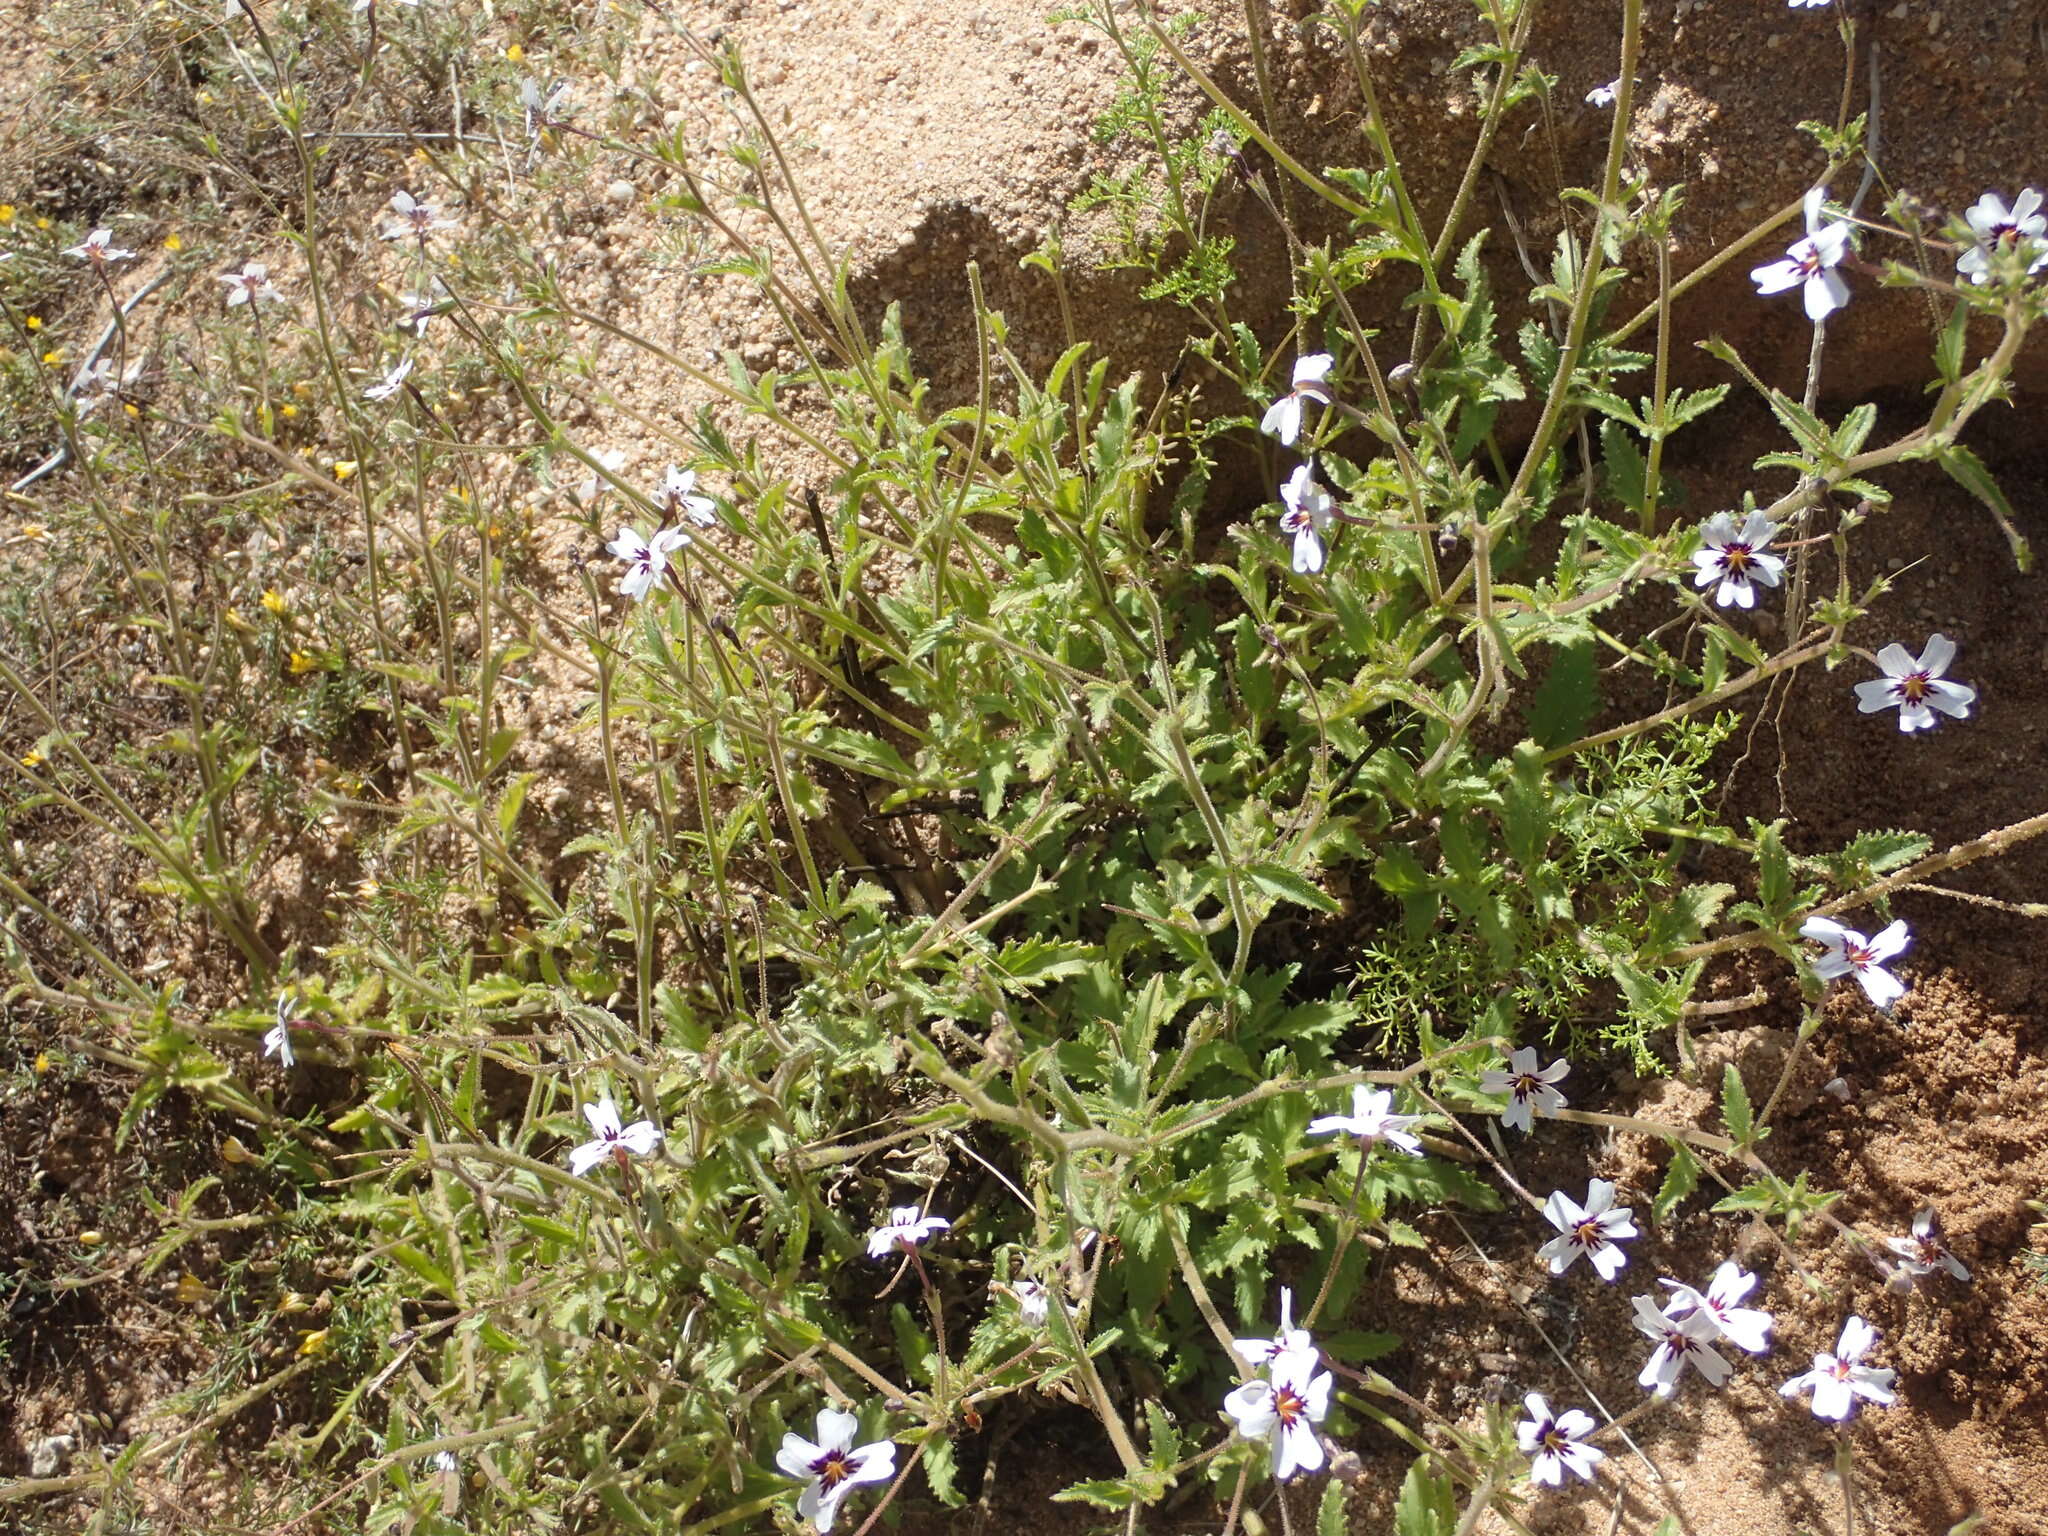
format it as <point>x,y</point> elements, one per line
<point>49,1455</point>
<point>620,192</point>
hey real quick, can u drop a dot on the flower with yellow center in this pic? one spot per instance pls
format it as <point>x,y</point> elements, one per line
<point>273,601</point>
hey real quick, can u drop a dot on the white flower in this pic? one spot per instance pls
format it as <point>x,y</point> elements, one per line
<point>539,106</point>
<point>1283,1410</point>
<point>1591,1231</point>
<point>1735,558</point>
<point>1371,1120</point>
<point>1260,1353</point>
<point>1846,952</point>
<point>251,285</point>
<point>1034,1302</point>
<point>1528,1090</point>
<point>1917,687</point>
<point>831,1468</point>
<point>1557,1443</point>
<point>447,1461</point>
<point>1924,1252</point>
<point>1681,1341</point>
<point>612,1140</point>
<point>416,218</point>
<point>1811,261</point>
<point>594,484</point>
<point>1837,1380</point>
<point>676,499</point>
<point>1283,416</point>
<point>98,382</point>
<point>646,559</point>
<point>389,385</point>
<point>1604,95</point>
<point>906,1228</point>
<point>1309,514</point>
<point>2000,228</point>
<point>277,1040</point>
<point>99,249</point>
<point>415,310</point>
<point>1747,1328</point>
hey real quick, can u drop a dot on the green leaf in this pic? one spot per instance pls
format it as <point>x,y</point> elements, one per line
<point>1680,1180</point>
<point>1283,884</point>
<point>1735,1112</point>
<point>1427,1506</point>
<point>1568,698</point>
<point>1627,474</point>
<point>1330,1519</point>
<point>1968,471</point>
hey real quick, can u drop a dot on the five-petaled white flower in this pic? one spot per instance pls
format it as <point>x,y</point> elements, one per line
<point>1309,513</point>
<point>447,1461</point>
<point>1604,95</point>
<point>646,559</point>
<point>677,498</point>
<point>612,1139</point>
<point>1556,1443</point>
<point>1529,1091</point>
<point>1845,952</point>
<point>391,383</point>
<point>1681,1341</point>
<point>1924,1252</point>
<point>832,1467</point>
<point>1283,1408</point>
<point>1837,1380</point>
<point>416,218</point>
<point>251,285</point>
<point>99,249</point>
<point>1999,228</point>
<point>1260,1353</point>
<point>1592,1230</point>
<point>1283,416</point>
<point>277,1040</point>
<point>1371,1119</point>
<point>1720,1305</point>
<point>1917,686</point>
<point>1736,558</point>
<point>539,106</point>
<point>1812,262</point>
<point>906,1228</point>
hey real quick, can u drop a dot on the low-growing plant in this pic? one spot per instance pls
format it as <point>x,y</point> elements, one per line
<point>1000,868</point>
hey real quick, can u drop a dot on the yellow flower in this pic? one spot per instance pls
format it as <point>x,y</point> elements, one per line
<point>273,600</point>
<point>232,1151</point>
<point>172,242</point>
<point>54,356</point>
<point>6,213</point>
<point>43,1062</point>
<point>193,1291</point>
<point>292,1302</point>
<point>288,410</point>
<point>313,1342</point>
<point>232,617</point>
<point>42,223</point>
<point>32,759</point>
<point>515,53</point>
<point>343,468</point>
<point>204,98</point>
<point>34,532</point>
<point>301,662</point>
<point>34,322</point>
